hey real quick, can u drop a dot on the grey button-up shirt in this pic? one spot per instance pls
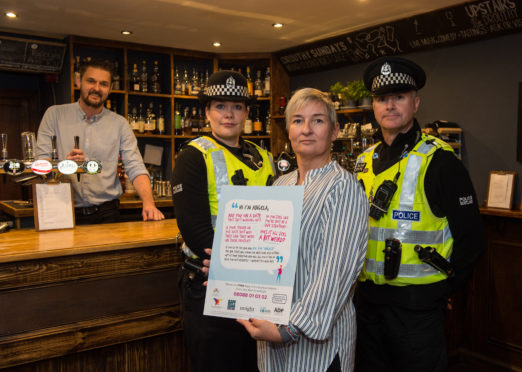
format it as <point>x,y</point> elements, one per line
<point>102,138</point>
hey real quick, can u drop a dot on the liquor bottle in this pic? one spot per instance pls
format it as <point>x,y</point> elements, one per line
<point>247,129</point>
<point>76,71</point>
<point>114,105</point>
<point>185,83</point>
<point>144,77</point>
<point>201,117</point>
<point>206,78</point>
<point>250,83</point>
<point>177,83</point>
<point>155,79</point>
<point>207,129</point>
<point>133,119</point>
<point>187,129</point>
<point>194,122</point>
<point>178,129</point>
<point>202,83</point>
<point>268,124</point>
<point>194,88</point>
<point>135,79</point>
<point>258,85</point>
<point>266,90</point>
<point>116,81</point>
<point>108,104</point>
<point>282,105</point>
<point>150,119</point>
<point>141,120</point>
<point>258,125</point>
<point>161,121</point>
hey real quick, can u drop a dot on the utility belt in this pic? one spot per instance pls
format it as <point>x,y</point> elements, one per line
<point>428,255</point>
<point>87,211</point>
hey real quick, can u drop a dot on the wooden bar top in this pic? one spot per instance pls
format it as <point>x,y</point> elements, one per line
<point>511,213</point>
<point>27,244</point>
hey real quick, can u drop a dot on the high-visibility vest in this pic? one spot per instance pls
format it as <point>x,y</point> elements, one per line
<point>222,165</point>
<point>408,218</point>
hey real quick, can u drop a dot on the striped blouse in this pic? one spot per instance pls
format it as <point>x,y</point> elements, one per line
<point>334,235</point>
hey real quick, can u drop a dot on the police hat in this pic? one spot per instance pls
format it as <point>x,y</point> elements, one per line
<point>226,85</point>
<point>392,75</point>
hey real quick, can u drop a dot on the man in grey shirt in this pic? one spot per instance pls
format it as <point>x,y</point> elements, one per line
<point>103,136</point>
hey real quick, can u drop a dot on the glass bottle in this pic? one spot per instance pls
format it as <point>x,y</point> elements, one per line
<point>135,79</point>
<point>116,81</point>
<point>247,129</point>
<point>268,124</point>
<point>177,83</point>
<point>266,89</point>
<point>250,83</point>
<point>258,125</point>
<point>185,83</point>
<point>178,129</point>
<point>150,119</point>
<point>194,88</point>
<point>141,120</point>
<point>161,121</point>
<point>194,121</point>
<point>258,85</point>
<point>76,71</point>
<point>155,79</point>
<point>133,119</point>
<point>144,77</point>
<point>187,129</point>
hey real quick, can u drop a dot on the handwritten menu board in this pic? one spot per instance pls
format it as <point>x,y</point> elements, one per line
<point>31,55</point>
<point>449,26</point>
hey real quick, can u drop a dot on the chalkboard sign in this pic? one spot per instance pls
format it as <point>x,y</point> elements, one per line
<point>444,27</point>
<point>31,55</point>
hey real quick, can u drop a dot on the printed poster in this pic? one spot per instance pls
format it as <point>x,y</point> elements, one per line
<point>254,253</point>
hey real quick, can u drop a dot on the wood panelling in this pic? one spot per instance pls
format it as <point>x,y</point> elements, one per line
<point>108,302</point>
<point>491,323</point>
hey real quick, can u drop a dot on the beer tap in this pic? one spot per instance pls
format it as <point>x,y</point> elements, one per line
<point>77,146</point>
<point>54,154</point>
<point>4,147</point>
<point>3,155</point>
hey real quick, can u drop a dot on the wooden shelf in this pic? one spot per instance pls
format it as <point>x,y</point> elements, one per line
<point>157,136</point>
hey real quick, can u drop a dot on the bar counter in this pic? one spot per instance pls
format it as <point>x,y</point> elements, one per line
<point>96,295</point>
<point>486,327</point>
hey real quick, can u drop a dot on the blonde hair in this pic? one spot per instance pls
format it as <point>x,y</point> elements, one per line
<point>306,95</point>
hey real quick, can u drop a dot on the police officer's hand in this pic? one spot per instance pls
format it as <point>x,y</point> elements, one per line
<point>262,330</point>
<point>206,264</point>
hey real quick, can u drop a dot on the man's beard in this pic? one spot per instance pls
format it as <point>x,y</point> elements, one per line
<point>90,103</point>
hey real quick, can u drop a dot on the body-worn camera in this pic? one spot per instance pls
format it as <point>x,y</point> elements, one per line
<point>392,258</point>
<point>430,256</point>
<point>381,200</point>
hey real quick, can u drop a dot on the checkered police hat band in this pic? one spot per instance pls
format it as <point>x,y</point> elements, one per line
<point>392,79</point>
<point>226,90</point>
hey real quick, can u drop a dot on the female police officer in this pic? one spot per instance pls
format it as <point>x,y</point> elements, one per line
<point>202,167</point>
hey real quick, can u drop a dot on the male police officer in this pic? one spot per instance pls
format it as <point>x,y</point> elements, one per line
<point>423,208</point>
<point>202,168</point>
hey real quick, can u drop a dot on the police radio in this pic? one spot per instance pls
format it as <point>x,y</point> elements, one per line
<point>381,200</point>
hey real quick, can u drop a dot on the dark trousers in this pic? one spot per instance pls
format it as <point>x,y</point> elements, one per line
<point>391,338</point>
<point>214,344</point>
<point>107,212</point>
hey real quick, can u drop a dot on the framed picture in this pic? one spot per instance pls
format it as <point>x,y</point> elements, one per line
<point>501,189</point>
<point>53,206</point>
